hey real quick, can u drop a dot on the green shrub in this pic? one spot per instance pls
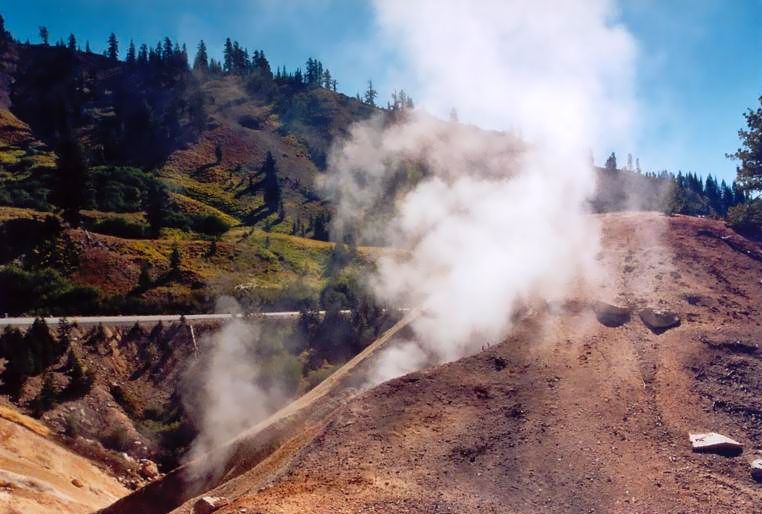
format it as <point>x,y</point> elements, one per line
<point>209,224</point>
<point>119,189</point>
<point>118,439</point>
<point>282,371</point>
<point>32,291</point>
<point>316,376</point>
<point>746,218</point>
<point>120,227</point>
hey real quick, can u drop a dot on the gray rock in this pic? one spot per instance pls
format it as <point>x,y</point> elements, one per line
<point>712,442</point>
<point>611,315</point>
<point>659,321</point>
<point>208,504</point>
<point>756,470</point>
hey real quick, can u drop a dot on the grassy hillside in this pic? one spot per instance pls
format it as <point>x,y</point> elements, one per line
<point>197,143</point>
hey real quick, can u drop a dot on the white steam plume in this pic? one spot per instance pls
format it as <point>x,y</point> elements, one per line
<point>498,218</point>
<point>224,393</point>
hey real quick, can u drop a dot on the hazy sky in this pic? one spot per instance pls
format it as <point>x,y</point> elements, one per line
<point>699,64</point>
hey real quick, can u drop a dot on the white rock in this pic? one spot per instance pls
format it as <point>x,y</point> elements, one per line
<point>756,470</point>
<point>715,443</point>
<point>208,504</point>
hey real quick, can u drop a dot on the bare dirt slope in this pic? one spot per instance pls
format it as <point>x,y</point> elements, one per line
<point>39,476</point>
<point>567,415</point>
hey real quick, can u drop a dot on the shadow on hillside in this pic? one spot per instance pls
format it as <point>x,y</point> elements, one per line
<point>257,215</point>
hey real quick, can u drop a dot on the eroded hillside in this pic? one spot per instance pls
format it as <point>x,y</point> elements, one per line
<point>567,415</point>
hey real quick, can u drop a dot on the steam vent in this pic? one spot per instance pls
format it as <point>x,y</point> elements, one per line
<point>380,257</point>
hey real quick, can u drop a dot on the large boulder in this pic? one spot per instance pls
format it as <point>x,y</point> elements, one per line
<point>208,504</point>
<point>148,469</point>
<point>712,442</point>
<point>756,470</point>
<point>611,315</point>
<point>659,321</point>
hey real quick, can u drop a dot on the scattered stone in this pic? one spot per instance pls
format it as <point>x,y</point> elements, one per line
<point>76,483</point>
<point>611,315</point>
<point>659,321</point>
<point>756,470</point>
<point>712,442</point>
<point>148,469</point>
<point>208,504</point>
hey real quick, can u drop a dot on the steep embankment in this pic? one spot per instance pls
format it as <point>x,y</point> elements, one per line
<point>567,415</point>
<point>39,476</point>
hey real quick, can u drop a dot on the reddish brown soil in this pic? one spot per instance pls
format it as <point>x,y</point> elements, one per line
<point>567,415</point>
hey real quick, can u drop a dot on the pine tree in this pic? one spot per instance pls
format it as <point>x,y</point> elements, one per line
<point>272,190</point>
<point>112,52</point>
<point>370,94</point>
<point>44,36</point>
<point>611,162</point>
<point>201,62</point>
<point>72,43</point>
<point>131,54</point>
<point>48,395</point>
<point>73,178</point>
<point>155,204</point>
<point>749,171</point>
<point>174,259</point>
<point>227,56</point>
<point>142,58</point>
<point>87,47</point>
<point>327,80</point>
<point>144,279</point>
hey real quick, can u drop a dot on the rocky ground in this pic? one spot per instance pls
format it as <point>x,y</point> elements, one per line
<point>567,415</point>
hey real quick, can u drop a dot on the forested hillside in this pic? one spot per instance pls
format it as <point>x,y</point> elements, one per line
<point>132,181</point>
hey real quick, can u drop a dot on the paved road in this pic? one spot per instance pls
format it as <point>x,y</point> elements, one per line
<point>130,320</point>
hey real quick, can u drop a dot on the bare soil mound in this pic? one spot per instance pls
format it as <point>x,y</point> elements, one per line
<point>567,415</point>
<point>39,476</point>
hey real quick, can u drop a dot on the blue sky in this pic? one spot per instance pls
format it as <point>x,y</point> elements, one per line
<point>699,65</point>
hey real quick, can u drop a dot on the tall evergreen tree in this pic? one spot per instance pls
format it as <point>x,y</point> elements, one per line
<point>370,94</point>
<point>142,58</point>
<point>611,162</point>
<point>215,68</point>
<point>227,56</point>
<point>156,204</point>
<point>167,51</point>
<point>201,62</point>
<point>44,36</point>
<point>131,54</point>
<point>272,190</point>
<point>749,171</point>
<point>174,259</point>
<point>88,50</point>
<point>72,180</point>
<point>72,43</point>
<point>112,51</point>
<point>327,80</point>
